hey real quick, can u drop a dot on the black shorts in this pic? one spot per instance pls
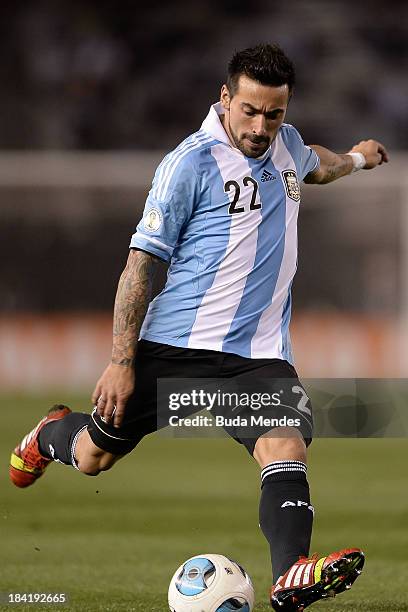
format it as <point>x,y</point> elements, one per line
<point>158,361</point>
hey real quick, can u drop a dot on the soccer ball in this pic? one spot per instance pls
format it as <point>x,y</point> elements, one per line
<point>211,583</point>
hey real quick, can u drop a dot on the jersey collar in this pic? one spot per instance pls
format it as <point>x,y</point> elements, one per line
<point>213,126</point>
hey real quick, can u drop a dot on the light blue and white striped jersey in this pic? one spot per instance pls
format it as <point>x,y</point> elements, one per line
<point>227,224</point>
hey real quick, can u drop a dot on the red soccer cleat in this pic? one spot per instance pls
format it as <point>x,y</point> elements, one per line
<point>26,462</point>
<point>311,579</point>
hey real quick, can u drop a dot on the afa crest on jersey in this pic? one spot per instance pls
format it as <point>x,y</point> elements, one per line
<point>291,185</point>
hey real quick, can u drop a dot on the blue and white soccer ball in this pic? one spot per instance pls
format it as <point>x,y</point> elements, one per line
<point>211,583</point>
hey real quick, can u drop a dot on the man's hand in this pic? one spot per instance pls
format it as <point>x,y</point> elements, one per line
<point>112,391</point>
<point>374,152</point>
<point>335,165</point>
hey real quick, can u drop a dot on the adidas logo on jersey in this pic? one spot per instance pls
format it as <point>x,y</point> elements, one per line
<point>267,176</point>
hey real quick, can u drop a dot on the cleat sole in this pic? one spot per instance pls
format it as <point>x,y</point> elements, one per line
<point>349,567</point>
<point>337,577</point>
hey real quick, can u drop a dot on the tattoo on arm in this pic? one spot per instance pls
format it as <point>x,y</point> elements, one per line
<point>332,166</point>
<point>132,300</point>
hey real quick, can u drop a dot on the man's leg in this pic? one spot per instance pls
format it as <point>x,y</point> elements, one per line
<point>93,445</point>
<point>66,437</point>
<point>286,518</point>
<point>286,514</point>
<point>68,441</point>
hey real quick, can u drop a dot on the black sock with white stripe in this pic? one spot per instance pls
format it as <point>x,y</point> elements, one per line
<point>285,513</point>
<point>57,439</point>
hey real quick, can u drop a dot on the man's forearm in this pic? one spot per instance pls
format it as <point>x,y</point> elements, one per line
<point>332,166</point>
<point>132,300</point>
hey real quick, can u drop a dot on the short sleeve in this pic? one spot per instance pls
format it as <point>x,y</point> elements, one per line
<point>305,158</point>
<point>309,160</point>
<point>168,207</point>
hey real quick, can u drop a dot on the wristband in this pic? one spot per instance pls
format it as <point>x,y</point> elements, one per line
<point>359,161</point>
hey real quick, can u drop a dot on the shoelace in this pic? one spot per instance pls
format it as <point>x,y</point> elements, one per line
<point>315,557</point>
<point>32,457</point>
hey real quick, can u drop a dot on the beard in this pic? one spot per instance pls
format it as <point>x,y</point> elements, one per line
<point>249,144</point>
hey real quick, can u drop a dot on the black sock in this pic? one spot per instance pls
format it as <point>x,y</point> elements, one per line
<point>285,513</point>
<point>56,439</point>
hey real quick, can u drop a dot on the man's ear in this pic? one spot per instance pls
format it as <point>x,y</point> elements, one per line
<point>225,97</point>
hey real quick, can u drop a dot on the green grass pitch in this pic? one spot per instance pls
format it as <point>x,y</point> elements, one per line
<point>112,542</point>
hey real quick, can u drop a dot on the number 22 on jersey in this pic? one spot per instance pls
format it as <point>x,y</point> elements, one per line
<point>248,183</point>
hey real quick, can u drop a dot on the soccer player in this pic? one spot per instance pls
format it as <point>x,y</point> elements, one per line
<point>223,211</point>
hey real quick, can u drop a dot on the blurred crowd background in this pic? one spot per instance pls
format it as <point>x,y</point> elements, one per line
<point>103,75</point>
<point>93,94</point>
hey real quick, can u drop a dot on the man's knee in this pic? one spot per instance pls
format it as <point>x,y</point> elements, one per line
<point>94,465</point>
<point>90,459</point>
<point>280,444</point>
<point>88,469</point>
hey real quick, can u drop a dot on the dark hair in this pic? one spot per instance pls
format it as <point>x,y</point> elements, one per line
<point>266,64</point>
